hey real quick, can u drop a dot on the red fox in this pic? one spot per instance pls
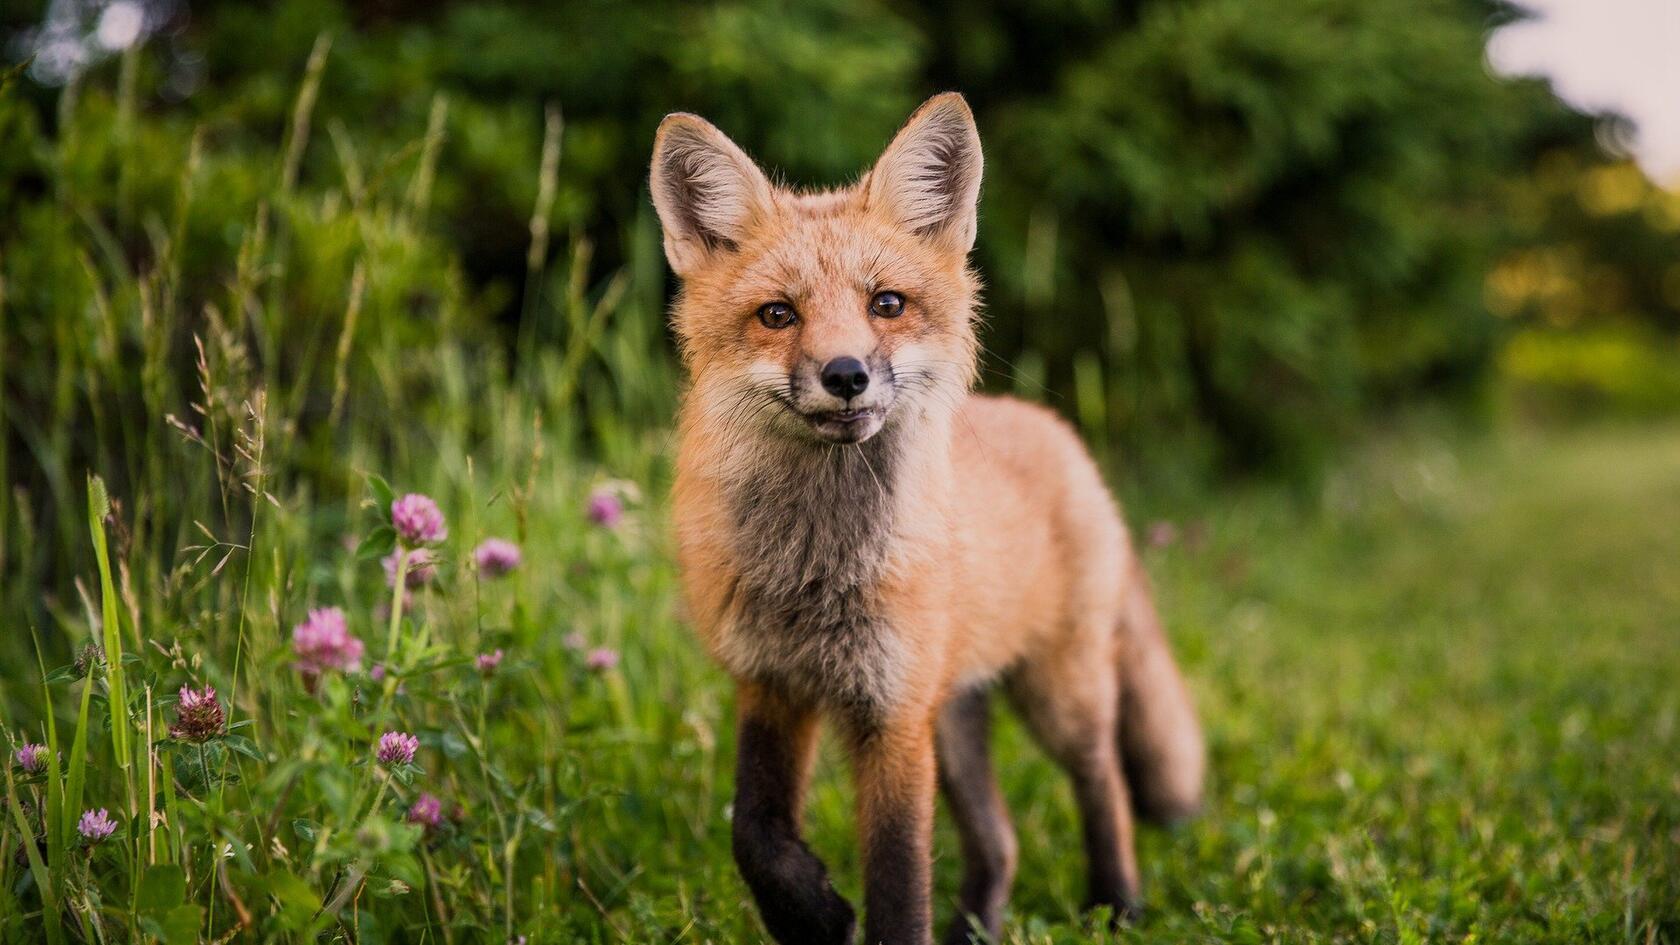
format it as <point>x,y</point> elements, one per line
<point>864,539</point>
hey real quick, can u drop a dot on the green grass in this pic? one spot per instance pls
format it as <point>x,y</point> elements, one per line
<point>1440,699</point>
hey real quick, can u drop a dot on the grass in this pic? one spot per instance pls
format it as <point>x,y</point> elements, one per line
<point>1440,700</point>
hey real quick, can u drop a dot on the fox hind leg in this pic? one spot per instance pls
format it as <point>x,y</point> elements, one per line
<point>1071,704</point>
<point>971,792</point>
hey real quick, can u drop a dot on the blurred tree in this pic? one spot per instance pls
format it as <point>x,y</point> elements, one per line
<point>1222,229</point>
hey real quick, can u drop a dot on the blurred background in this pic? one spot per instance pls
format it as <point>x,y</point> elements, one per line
<point>1369,308</point>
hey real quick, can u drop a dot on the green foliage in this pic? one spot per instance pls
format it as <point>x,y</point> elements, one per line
<point>1227,227</point>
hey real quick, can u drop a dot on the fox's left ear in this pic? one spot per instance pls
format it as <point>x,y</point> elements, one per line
<point>929,177</point>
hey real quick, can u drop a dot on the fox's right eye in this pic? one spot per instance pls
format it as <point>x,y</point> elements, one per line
<point>777,315</point>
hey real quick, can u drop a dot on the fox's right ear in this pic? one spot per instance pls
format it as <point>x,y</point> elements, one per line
<point>706,189</point>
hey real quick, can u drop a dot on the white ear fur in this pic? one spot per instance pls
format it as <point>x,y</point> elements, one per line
<point>705,189</point>
<point>929,177</point>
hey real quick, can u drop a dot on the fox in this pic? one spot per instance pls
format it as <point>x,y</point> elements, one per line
<point>864,540</point>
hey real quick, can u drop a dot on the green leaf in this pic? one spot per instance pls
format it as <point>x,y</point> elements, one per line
<point>298,900</point>
<point>382,494</point>
<point>243,746</point>
<point>307,829</point>
<point>180,926</point>
<point>161,889</point>
<point>377,544</point>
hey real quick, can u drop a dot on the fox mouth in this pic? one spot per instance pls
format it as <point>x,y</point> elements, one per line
<point>851,425</point>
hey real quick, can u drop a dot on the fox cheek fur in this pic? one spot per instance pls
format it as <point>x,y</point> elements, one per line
<point>864,539</point>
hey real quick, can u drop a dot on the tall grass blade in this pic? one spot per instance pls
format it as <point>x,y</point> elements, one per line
<point>99,506</point>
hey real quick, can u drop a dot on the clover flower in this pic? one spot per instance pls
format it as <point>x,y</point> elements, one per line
<point>496,557</point>
<point>96,825</point>
<point>88,659</point>
<point>198,716</point>
<point>323,642</point>
<point>601,659</point>
<point>397,748</point>
<point>31,758</point>
<point>417,521</point>
<point>606,508</point>
<point>1162,534</point>
<point>487,662</point>
<point>426,811</point>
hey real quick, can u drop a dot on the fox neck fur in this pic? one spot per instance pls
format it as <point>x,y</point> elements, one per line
<point>812,535</point>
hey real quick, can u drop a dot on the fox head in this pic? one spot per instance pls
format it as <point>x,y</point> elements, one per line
<point>824,317</point>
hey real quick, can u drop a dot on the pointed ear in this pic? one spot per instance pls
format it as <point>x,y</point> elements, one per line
<point>929,177</point>
<point>706,189</point>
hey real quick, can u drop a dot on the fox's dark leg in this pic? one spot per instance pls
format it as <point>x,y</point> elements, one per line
<point>1072,707</point>
<point>971,791</point>
<point>894,766</point>
<point>773,758</point>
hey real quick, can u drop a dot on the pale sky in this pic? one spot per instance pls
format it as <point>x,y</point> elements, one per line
<point>1607,55</point>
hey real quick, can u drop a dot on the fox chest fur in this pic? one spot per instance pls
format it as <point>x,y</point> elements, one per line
<point>810,538</point>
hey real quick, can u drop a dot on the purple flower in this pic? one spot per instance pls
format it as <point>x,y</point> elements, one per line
<point>324,642</point>
<point>1162,534</point>
<point>96,825</point>
<point>496,557</point>
<point>31,758</point>
<point>397,748</point>
<point>377,672</point>
<point>601,659</point>
<point>606,509</point>
<point>487,662</point>
<point>575,641</point>
<point>198,716</point>
<point>417,521</point>
<point>422,567</point>
<point>427,811</point>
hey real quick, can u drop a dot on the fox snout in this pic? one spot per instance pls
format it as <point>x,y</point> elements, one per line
<point>843,399</point>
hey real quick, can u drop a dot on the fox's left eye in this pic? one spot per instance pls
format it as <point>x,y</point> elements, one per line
<point>887,305</point>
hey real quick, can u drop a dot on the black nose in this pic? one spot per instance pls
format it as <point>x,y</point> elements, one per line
<point>845,377</point>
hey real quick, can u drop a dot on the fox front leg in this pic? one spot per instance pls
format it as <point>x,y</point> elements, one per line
<point>896,781</point>
<point>775,747</point>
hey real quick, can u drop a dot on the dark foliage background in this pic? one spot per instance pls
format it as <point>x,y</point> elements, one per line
<point>1220,234</point>
<point>1235,224</point>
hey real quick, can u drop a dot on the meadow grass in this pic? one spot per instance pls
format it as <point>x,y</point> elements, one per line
<point>1440,700</point>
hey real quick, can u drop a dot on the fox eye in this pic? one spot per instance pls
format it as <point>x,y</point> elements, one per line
<point>777,315</point>
<point>887,305</point>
